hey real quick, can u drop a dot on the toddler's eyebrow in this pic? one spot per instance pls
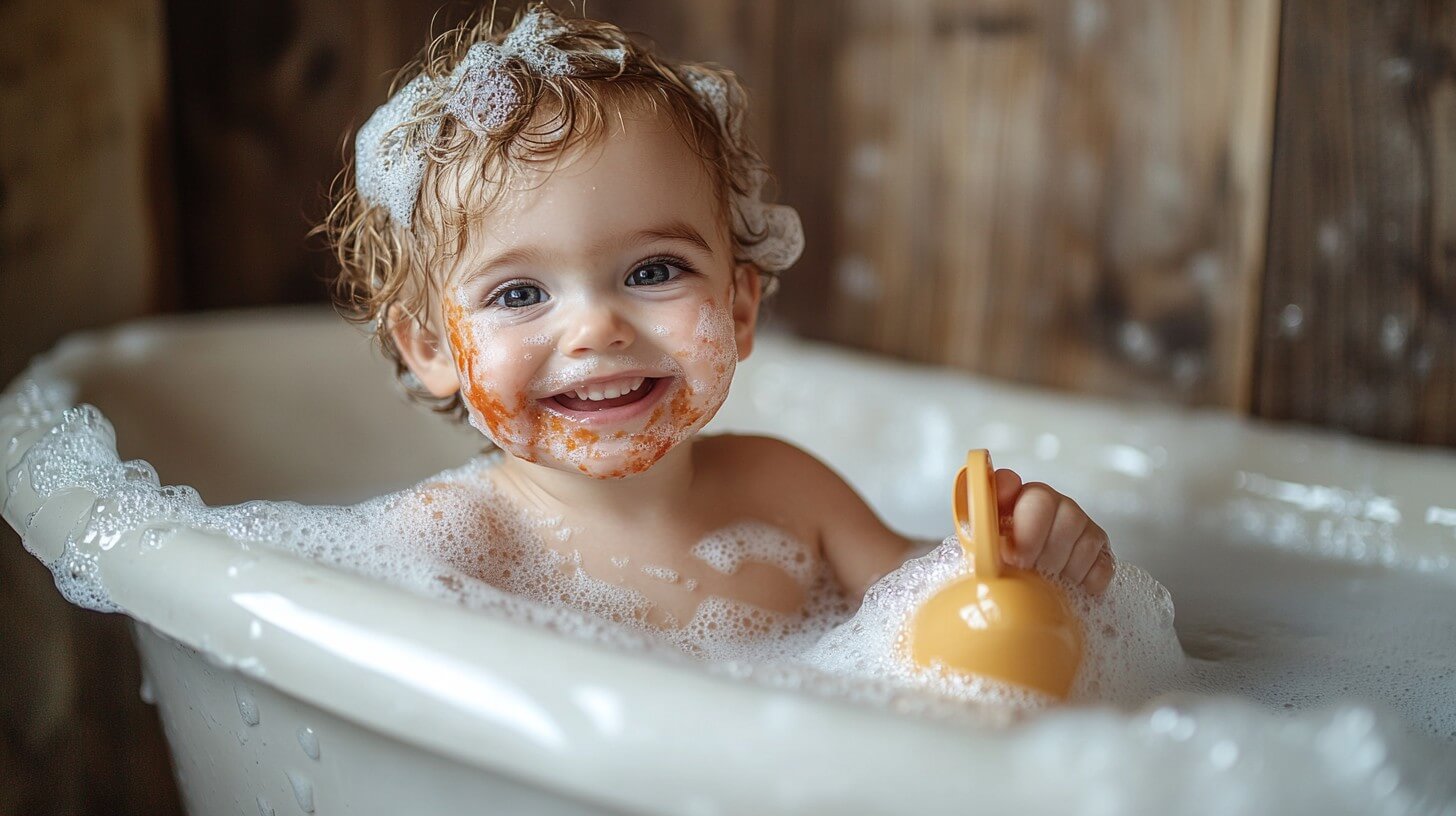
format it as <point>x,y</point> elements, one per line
<point>517,255</point>
<point>677,230</point>
<point>672,231</point>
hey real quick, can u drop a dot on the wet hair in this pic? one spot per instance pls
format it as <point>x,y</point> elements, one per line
<point>389,267</point>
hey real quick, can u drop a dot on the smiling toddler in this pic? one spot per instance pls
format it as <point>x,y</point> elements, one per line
<point>561,237</point>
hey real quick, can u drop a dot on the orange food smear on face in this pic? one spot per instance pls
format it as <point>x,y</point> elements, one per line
<point>580,437</point>
<point>681,414</point>
<point>493,412</point>
<point>660,434</point>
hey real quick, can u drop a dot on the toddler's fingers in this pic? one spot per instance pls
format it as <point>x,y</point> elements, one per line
<point>1084,554</point>
<point>1031,521</point>
<point>1101,573</point>
<point>1008,486</point>
<point>1067,527</point>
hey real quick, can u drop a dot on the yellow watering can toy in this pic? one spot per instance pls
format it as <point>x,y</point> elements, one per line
<point>998,622</point>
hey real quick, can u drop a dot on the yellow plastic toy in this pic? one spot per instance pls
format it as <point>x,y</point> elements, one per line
<point>999,622</point>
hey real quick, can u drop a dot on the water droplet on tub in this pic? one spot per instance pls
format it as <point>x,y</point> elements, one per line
<point>302,790</point>
<point>247,706</point>
<point>149,694</point>
<point>308,741</point>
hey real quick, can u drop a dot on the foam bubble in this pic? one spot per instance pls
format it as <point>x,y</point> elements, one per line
<point>662,573</point>
<point>727,548</point>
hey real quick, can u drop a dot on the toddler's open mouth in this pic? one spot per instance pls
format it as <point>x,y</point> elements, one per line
<point>579,404</point>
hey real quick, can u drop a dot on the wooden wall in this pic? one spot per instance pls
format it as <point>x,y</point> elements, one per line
<point>1357,322</point>
<point>1062,194</point>
<point>85,240</point>
<point>263,93</point>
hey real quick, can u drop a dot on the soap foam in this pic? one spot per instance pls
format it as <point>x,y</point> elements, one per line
<point>1130,649</point>
<point>484,545</point>
<point>727,548</point>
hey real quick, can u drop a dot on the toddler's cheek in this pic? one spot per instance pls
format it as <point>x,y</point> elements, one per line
<point>714,345</point>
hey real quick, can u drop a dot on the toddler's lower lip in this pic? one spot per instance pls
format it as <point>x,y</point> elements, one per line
<point>646,396</point>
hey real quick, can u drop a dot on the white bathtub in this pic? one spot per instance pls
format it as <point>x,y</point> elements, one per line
<point>285,686</point>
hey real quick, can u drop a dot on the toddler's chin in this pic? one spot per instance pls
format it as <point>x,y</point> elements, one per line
<point>610,468</point>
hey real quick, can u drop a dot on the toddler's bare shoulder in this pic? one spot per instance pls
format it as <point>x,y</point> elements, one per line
<point>769,462</point>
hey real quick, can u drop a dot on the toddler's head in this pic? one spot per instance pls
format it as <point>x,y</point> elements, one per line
<point>559,235</point>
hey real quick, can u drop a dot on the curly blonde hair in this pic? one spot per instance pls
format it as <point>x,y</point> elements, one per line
<point>384,265</point>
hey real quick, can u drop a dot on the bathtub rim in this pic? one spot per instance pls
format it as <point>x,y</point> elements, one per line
<point>663,774</point>
<point>874,735</point>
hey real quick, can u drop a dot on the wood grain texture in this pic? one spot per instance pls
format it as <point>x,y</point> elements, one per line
<point>264,94</point>
<point>1358,318</point>
<point>1066,194</point>
<point>84,179</point>
<point>85,240</point>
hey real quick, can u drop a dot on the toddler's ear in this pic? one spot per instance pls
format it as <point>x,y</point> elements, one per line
<point>423,353</point>
<point>747,291</point>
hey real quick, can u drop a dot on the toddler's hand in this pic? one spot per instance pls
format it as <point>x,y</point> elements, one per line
<point>1049,531</point>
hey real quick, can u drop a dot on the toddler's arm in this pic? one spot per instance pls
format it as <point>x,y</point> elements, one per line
<point>858,546</point>
<point>1048,530</point>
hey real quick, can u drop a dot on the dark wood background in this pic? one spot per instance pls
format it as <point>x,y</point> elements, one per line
<point>1247,204</point>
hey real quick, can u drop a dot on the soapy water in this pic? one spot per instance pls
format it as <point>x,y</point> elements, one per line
<point>504,564</point>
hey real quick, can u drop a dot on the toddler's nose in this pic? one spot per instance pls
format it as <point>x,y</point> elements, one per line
<point>598,328</point>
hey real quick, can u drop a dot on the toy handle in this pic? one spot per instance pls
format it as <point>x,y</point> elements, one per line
<point>975,496</point>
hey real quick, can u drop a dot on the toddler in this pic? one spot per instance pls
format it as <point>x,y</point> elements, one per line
<point>560,236</point>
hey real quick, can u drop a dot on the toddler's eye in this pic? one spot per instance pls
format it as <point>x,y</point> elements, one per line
<point>518,296</point>
<point>653,273</point>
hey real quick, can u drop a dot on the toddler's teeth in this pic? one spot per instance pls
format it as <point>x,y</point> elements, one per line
<point>613,391</point>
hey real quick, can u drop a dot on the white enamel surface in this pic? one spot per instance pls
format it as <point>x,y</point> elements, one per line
<point>420,707</point>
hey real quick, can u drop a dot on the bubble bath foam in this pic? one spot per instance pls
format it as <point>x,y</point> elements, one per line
<point>1277,638</point>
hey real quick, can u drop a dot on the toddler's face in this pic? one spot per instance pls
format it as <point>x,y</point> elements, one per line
<point>595,318</point>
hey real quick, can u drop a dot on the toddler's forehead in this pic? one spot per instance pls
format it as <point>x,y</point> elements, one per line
<point>640,163</point>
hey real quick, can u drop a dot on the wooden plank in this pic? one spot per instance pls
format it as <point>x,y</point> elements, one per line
<point>807,145</point>
<point>1358,326</point>
<point>1067,194</point>
<point>84,180</point>
<point>264,95</point>
<point>85,240</point>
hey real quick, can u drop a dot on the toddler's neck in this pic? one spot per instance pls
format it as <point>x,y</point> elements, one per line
<point>657,492</point>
